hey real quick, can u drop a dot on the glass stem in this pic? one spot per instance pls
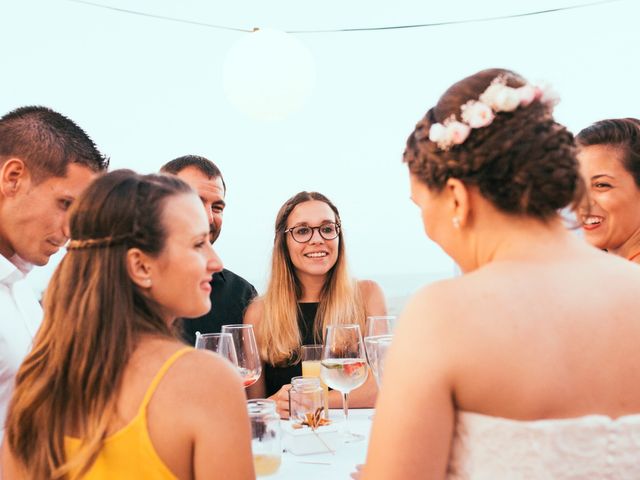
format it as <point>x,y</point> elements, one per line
<point>345,407</point>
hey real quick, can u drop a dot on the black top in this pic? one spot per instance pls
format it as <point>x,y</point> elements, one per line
<point>277,376</point>
<point>230,297</point>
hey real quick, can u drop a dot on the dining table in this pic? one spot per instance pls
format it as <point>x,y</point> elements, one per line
<point>329,466</point>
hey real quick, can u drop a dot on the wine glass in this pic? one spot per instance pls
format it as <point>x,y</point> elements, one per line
<point>380,325</point>
<point>343,366</point>
<point>220,343</point>
<point>249,364</point>
<point>376,348</point>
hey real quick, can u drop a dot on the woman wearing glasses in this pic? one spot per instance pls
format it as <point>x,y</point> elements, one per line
<point>309,288</point>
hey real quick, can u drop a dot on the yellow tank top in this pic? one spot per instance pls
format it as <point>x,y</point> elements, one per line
<point>128,454</point>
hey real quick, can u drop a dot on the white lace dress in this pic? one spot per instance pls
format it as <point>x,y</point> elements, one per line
<point>591,447</point>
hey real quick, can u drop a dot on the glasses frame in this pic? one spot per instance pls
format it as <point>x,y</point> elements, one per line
<point>313,229</point>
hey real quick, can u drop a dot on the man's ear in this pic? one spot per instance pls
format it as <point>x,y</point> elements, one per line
<point>139,268</point>
<point>460,201</point>
<point>13,175</point>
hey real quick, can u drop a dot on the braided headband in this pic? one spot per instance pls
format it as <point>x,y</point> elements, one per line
<point>498,97</point>
<point>98,242</point>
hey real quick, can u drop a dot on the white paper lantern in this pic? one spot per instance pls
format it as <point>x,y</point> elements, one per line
<point>268,74</point>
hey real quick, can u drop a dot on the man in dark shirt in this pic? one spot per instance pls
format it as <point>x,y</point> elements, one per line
<point>230,293</point>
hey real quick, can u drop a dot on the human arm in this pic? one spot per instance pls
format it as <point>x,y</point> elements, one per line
<point>221,425</point>
<point>373,298</point>
<point>414,419</point>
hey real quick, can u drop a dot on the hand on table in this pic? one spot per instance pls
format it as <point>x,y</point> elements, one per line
<point>281,397</point>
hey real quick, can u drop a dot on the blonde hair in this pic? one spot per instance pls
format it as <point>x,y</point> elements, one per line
<point>94,316</point>
<point>340,299</point>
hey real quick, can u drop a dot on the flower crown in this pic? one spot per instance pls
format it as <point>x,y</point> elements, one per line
<point>498,97</point>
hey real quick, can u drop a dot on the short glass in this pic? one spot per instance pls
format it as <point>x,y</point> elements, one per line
<point>266,436</point>
<point>306,398</point>
<point>311,356</point>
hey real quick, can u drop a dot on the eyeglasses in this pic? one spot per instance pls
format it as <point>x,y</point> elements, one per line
<point>304,233</point>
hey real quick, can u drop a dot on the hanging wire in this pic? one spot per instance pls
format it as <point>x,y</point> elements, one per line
<point>355,29</point>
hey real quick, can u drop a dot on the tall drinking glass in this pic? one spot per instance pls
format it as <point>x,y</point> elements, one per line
<point>380,325</point>
<point>249,364</point>
<point>220,343</point>
<point>344,366</point>
<point>311,356</point>
<point>376,348</point>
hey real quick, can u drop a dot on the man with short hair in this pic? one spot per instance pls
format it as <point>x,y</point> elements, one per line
<point>46,161</point>
<point>230,293</point>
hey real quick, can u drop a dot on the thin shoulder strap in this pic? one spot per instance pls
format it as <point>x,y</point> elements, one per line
<point>163,369</point>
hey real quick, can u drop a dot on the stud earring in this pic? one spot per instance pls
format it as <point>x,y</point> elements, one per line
<point>148,282</point>
<point>456,222</point>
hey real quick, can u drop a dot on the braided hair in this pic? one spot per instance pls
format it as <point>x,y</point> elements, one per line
<point>523,162</point>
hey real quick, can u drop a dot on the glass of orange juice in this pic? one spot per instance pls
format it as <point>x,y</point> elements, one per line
<point>311,355</point>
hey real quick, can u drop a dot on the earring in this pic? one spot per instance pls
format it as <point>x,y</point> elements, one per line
<point>456,222</point>
<point>148,282</point>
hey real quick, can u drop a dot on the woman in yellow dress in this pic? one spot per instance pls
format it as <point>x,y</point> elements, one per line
<point>107,391</point>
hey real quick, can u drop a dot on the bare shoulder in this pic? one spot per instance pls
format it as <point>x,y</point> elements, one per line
<point>254,312</point>
<point>441,314</point>
<point>210,368</point>
<point>373,297</point>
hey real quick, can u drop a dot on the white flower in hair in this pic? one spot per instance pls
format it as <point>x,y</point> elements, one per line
<point>507,100</point>
<point>449,133</point>
<point>498,97</point>
<point>458,132</point>
<point>489,96</point>
<point>437,133</point>
<point>527,94</point>
<point>547,94</point>
<point>477,114</point>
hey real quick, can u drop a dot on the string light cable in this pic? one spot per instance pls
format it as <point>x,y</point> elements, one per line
<point>355,29</point>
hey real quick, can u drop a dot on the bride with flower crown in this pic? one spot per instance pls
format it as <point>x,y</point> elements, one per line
<point>527,366</point>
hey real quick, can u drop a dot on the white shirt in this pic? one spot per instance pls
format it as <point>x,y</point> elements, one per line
<point>20,317</point>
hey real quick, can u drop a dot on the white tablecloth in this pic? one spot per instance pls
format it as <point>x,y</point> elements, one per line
<point>325,466</point>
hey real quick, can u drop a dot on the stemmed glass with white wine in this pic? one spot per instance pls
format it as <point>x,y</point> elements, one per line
<point>344,366</point>
<point>249,364</point>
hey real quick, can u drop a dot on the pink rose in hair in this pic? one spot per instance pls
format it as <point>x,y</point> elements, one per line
<point>527,94</point>
<point>477,114</point>
<point>457,132</point>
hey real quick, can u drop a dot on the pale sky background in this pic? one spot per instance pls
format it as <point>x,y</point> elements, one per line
<point>149,90</point>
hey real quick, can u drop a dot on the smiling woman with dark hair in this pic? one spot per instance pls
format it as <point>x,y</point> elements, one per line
<point>609,158</point>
